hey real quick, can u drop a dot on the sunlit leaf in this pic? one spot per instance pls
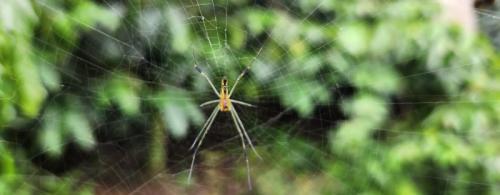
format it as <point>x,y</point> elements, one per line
<point>32,93</point>
<point>50,77</point>
<point>377,77</point>
<point>178,29</point>
<point>301,95</point>
<point>88,15</point>
<point>354,38</point>
<point>258,20</point>
<point>122,91</point>
<point>51,133</point>
<point>176,120</point>
<point>177,110</point>
<point>80,128</point>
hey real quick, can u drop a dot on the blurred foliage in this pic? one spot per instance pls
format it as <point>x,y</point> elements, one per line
<point>419,97</point>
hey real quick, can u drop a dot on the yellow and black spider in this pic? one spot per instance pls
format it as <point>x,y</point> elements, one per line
<point>225,104</point>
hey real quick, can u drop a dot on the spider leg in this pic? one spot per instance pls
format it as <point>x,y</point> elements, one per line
<point>233,112</point>
<point>209,102</point>
<point>210,118</point>
<point>244,148</point>
<point>200,142</point>
<point>238,79</point>
<point>208,79</point>
<point>242,103</point>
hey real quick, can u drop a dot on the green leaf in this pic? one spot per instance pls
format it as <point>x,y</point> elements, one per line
<point>258,20</point>
<point>121,89</point>
<point>32,93</point>
<point>51,137</point>
<point>354,38</point>
<point>64,27</point>
<point>77,124</point>
<point>285,30</point>
<point>178,110</point>
<point>7,164</point>
<point>301,95</point>
<point>7,111</point>
<point>372,109</point>
<point>351,137</point>
<point>176,120</point>
<point>406,188</point>
<point>87,15</point>
<point>238,35</point>
<point>17,16</point>
<point>377,77</point>
<point>49,75</point>
<point>127,99</point>
<point>179,30</point>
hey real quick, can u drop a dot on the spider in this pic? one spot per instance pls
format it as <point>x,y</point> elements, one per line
<point>225,104</point>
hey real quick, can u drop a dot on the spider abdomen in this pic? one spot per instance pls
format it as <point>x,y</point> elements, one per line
<point>225,104</point>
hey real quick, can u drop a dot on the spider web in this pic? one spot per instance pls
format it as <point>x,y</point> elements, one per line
<point>221,153</point>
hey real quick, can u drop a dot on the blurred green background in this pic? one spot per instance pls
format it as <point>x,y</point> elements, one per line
<point>354,97</point>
